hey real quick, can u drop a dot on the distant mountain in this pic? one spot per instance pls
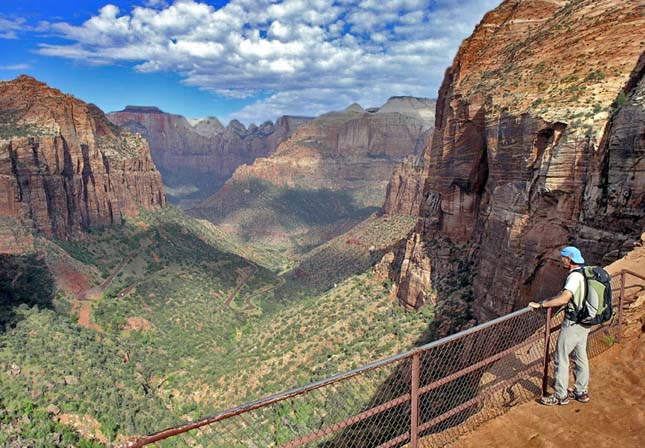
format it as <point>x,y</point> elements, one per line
<point>197,156</point>
<point>64,167</point>
<point>207,127</point>
<point>337,166</point>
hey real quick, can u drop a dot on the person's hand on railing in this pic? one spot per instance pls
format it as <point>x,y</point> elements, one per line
<point>535,305</point>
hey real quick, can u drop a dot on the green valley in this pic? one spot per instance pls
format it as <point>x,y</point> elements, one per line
<point>163,319</point>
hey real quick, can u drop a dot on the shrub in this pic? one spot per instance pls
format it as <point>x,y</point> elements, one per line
<point>596,75</point>
<point>619,102</point>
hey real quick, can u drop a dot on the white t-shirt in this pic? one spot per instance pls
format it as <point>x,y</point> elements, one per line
<point>575,283</point>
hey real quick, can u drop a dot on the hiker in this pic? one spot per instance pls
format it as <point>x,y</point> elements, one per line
<point>573,336</point>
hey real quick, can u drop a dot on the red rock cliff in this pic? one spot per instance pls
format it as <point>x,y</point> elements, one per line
<point>538,143</point>
<point>206,154</point>
<point>352,150</point>
<point>64,167</point>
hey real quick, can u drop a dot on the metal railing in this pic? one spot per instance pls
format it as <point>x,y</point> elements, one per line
<point>425,397</point>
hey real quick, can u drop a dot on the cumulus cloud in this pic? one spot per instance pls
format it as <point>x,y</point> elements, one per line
<point>299,56</point>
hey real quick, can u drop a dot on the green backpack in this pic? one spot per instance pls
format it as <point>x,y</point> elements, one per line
<point>597,306</point>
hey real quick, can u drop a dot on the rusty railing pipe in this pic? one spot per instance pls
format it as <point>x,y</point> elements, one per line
<point>621,301</point>
<point>547,343</point>
<point>414,402</point>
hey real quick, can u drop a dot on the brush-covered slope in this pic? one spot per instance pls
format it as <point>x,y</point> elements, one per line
<point>140,326</point>
<point>197,156</point>
<point>65,168</point>
<point>538,144</point>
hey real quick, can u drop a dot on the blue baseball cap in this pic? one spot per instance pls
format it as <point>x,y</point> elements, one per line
<point>573,253</point>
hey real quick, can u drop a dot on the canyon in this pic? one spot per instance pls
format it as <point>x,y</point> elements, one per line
<point>338,163</point>
<point>352,150</point>
<point>538,144</point>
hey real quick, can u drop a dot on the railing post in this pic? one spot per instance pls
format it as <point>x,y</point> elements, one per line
<point>620,304</point>
<point>547,342</point>
<point>414,402</point>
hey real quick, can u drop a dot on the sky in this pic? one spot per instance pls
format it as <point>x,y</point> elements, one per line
<point>252,60</point>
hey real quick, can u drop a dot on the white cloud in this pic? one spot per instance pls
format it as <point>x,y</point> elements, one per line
<point>9,28</point>
<point>156,3</point>
<point>15,67</point>
<point>301,56</point>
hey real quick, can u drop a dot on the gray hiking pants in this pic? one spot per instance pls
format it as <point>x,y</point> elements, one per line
<point>573,338</point>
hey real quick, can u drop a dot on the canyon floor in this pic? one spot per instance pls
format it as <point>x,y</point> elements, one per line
<point>615,416</point>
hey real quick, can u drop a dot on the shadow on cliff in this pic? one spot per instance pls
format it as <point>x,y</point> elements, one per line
<point>185,184</point>
<point>325,268</point>
<point>317,207</point>
<point>24,281</point>
<point>619,205</point>
<point>261,207</point>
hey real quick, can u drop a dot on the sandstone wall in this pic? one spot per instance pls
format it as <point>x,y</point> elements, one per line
<point>352,150</point>
<point>206,153</point>
<point>64,167</point>
<point>404,191</point>
<point>530,151</point>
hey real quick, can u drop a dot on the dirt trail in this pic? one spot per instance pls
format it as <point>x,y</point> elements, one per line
<point>84,318</point>
<point>91,295</point>
<point>615,416</point>
<point>239,286</point>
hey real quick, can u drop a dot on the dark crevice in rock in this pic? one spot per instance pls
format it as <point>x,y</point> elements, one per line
<point>545,140</point>
<point>14,171</point>
<point>481,172</point>
<point>542,141</point>
<point>110,212</point>
<point>106,164</point>
<point>87,176</point>
<point>49,186</point>
<point>68,186</point>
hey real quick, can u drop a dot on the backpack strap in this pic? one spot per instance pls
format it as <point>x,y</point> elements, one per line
<point>575,315</point>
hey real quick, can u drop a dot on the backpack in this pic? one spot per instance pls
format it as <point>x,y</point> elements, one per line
<point>597,306</point>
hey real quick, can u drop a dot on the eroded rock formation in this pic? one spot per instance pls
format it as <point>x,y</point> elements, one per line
<point>196,157</point>
<point>64,167</point>
<point>538,144</point>
<point>352,150</point>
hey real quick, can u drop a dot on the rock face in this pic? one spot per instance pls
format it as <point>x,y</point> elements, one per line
<point>405,190</point>
<point>196,157</point>
<point>538,144</point>
<point>207,127</point>
<point>64,167</point>
<point>414,274</point>
<point>352,150</point>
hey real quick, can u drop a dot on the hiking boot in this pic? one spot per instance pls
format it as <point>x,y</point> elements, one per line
<point>582,397</point>
<point>554,400</point>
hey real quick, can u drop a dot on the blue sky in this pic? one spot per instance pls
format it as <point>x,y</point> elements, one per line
<point>247,59</point>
